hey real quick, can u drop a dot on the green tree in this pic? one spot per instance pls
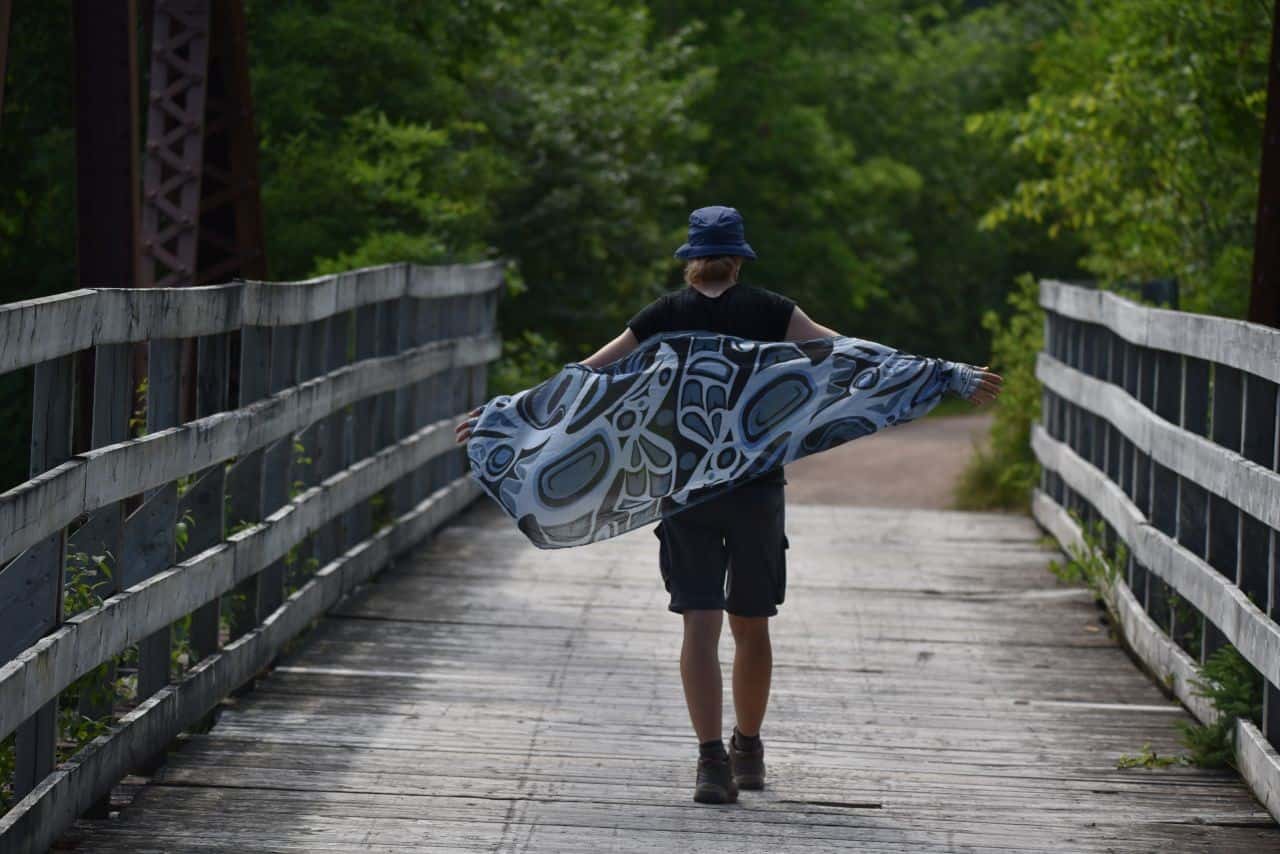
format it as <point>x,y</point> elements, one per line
<point>550,133</point>
<point>1146,123</point>
<point>947,62</point>
<point>594,112</point>
<point>820,210</point>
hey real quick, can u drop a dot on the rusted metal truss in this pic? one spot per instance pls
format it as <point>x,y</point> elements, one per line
<point>201,208</point>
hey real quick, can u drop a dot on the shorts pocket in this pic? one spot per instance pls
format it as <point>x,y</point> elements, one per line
<point>664,557</point>
<point>780,572</point>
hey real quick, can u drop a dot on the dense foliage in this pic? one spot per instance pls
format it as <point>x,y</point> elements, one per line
<point>554,133</point>
<point>1147,119</point>
<point>1002,473</point>
<point>899,162</point>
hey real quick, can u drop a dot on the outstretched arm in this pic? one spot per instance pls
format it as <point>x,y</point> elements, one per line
<point>611,352</point>
<point>614,350</point>
<point>803,328</point>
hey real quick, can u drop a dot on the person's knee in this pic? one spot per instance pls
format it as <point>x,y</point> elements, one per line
<point>749,629</point>
<point>703,625</point>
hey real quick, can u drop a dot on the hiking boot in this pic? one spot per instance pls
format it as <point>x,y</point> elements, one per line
<point>747,764</point>
<point>715,781</point>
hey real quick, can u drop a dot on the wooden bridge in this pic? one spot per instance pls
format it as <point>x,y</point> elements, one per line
<point>424,680</point>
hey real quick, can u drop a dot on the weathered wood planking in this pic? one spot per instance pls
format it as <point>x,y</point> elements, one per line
<point>1245,346</point>
<point>1226,473</point>
<point>1256,759</point>
<point>38,330</point>
<point>488,696</point>
<point>1192,489</point>
<point>55,661</point>
<point>1242,622</point>
<point>34,823</point>
<point>32,585</point>
<point>150,536</point>
<point>35,509</point>
<point>294,384</point>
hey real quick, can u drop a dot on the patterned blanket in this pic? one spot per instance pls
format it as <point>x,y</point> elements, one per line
<point>591,454</point>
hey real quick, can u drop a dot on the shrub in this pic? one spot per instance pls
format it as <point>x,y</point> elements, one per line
<point>1001,473</point>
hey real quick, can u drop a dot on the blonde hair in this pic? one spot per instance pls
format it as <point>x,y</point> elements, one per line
<point>712,268</point>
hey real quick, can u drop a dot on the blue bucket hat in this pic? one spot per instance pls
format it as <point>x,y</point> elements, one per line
<point>715,230</point>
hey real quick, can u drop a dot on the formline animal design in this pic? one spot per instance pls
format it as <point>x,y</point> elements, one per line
<point>593,453</point>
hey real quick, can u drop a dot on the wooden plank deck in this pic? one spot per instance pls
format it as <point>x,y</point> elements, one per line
<point>935,689</point>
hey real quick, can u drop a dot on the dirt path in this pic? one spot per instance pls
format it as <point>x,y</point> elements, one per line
<point>914,465</point>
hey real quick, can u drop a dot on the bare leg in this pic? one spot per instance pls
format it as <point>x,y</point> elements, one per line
<point>752,670</point>
<point>700,672</point>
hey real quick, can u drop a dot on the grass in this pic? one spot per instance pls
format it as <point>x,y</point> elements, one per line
<point>1148,758</point>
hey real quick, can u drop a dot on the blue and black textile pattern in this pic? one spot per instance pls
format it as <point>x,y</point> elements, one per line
<point>591,454</point>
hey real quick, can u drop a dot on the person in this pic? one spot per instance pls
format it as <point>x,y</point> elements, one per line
<point>727,553</point>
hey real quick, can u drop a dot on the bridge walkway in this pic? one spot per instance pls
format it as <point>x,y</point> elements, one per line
<point>935,689</point>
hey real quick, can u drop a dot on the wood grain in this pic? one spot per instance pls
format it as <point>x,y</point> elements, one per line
<point>1242,622</point>
<point>1255,757</point>
<point>37,508</point>
<point>54,662</point>
<point>38,330</point>
<point>1246,346</point>
<point>33,823</point>
<point>487,696</point>
<point>1226,473</point>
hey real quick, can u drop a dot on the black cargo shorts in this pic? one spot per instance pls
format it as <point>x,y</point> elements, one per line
<point>727,552</point>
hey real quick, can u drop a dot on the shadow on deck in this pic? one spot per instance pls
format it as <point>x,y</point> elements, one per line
<point>935,689</point>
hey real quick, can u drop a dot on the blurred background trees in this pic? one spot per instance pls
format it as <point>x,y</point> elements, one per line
<point>899,163</point>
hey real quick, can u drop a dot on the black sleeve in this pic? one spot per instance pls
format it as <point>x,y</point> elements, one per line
<point>778,309</point>
<point>650,320</point>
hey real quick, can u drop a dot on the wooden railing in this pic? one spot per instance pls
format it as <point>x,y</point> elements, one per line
<point>1160,427</point>
<point>297,437</point>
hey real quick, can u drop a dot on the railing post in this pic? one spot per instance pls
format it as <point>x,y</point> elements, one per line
<point>1193,499</point>
<point>38,572</point>
<point>433,317</point>
<point>1258,443</point>
<point>246,486</point>
<point>1224,519</point>
<point>334,538</point>
<point>459,380</point>
<point>384,427</point>
<point>311,443</point>
<point>1167,404</point>
<point>277,465</point>
<point>204,499</point>
<point>403,494</point>
<point>150,532</point>
<point>103,532</point>
<point>424,411</point>
<point>364,430</point>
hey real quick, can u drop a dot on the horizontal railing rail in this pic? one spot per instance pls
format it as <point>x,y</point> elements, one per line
<point>1161,428</point>
<point>211,470</point>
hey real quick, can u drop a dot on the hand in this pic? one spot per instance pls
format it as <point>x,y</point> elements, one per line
<point>989,387</point>
<point>462,430</point>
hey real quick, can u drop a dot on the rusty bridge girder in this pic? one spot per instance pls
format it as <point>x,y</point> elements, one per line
<point>201,208</point>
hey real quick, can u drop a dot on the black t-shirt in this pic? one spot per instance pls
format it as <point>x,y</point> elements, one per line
<point>743,310</point>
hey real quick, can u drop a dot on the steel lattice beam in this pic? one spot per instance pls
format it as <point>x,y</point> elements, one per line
<point>202,215</point>
<point>175,142</point>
